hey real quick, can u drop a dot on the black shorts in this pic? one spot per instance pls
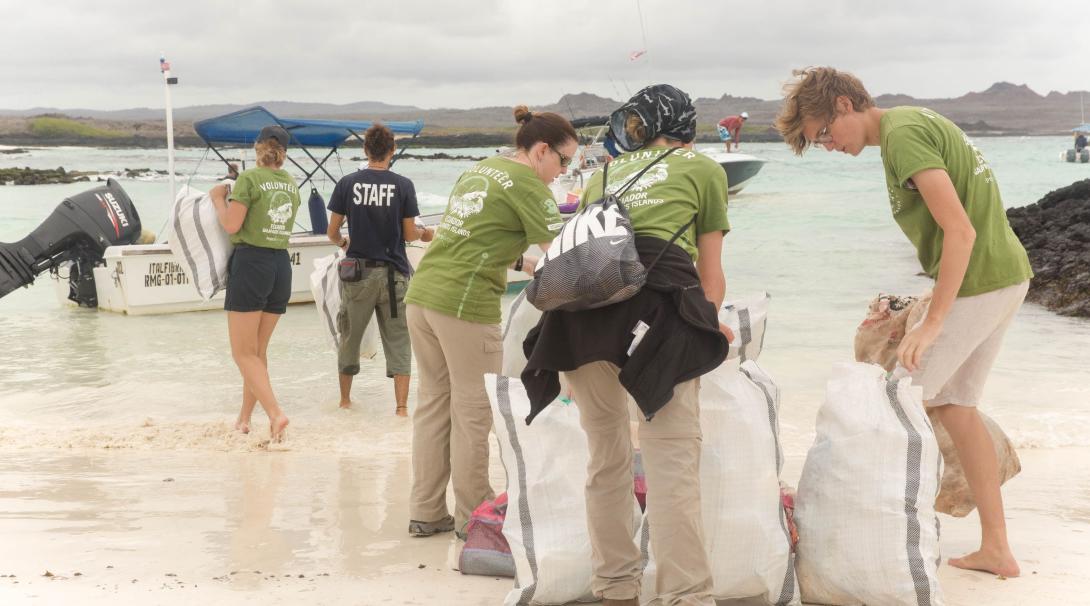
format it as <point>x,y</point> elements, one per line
<point>258,279</point>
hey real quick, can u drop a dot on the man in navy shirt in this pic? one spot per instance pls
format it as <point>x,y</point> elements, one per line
<point>381,208</point>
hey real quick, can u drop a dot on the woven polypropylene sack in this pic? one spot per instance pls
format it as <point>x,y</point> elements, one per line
<point>868,532</point>
<point>746,534</point>
<point>199,241</point>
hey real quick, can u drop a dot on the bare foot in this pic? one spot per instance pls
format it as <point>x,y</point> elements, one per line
<point>242,426</point>
<point>1002,564</point>
<point>402,410</point>
<point>277,427</point>
<point>345,404</point>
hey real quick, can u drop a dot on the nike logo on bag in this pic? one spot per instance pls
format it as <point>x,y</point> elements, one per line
<point>616,241</point>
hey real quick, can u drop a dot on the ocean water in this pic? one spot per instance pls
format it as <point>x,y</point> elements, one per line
<point>815,232</point>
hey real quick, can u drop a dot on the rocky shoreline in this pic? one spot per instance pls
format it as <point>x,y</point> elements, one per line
<point>51,176</point>
<point>1056,233</point>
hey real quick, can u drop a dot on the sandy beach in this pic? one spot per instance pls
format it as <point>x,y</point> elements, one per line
<point>171,515</point>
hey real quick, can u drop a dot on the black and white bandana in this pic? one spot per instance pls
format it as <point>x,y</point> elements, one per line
<point>663,109</point>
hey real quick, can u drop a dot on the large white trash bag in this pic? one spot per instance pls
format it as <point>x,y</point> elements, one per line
<point>325,285</point>
<point>521,317</point>
<point>199,241</point>
<point>746,317</point>
<point>745,530</point>
<point>868,532</point>
<point>546,523</point>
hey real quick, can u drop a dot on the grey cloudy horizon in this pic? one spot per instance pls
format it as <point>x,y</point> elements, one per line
<point>104,55</point>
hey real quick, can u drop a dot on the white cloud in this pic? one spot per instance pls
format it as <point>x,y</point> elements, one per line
<point>70,53</point>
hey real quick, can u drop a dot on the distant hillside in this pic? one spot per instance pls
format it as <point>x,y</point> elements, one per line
<point>1003,108</point>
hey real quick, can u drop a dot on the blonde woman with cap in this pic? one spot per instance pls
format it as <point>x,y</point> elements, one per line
<point>496,210</point>
<point>258,212</point>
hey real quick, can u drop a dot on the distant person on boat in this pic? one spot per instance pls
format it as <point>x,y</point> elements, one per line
<point>259,217</point>
<point>496,210</point>
<point>381,209</point>
<point>232,172</point>
<point>730,129</point>
<point>946,200</point>
<point>1080,142</point>
<point>685,193</point>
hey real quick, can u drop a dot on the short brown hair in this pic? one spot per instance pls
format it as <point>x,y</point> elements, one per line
<point>812,93</point>
<point>551,128</point>
<point>378,142</point>
<point>270,154</point>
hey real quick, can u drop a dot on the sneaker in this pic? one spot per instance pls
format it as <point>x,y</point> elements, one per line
<point>426,529</point>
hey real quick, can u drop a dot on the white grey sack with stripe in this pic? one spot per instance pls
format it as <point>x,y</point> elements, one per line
<point>868,532</point>
<point>747,317</point>
<point>521,318</point>
<point>199,241</point>
<point>325,285</point>
<point>745,528</point>
<point>546,523</point>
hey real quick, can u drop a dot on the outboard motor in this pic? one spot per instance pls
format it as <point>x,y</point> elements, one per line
<point>79,231</point>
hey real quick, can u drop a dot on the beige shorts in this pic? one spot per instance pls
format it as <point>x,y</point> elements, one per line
<point>953,370</point>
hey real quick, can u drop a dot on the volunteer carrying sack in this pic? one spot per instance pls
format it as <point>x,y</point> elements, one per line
<point>593,261</point>
<point>199,241</point>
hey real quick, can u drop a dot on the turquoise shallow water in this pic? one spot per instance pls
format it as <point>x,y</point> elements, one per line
<point>815,232</point>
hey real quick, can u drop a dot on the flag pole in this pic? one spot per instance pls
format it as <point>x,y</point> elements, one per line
<point>164,67</point>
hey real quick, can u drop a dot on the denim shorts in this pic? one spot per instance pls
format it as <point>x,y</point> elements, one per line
<point>258,279</point>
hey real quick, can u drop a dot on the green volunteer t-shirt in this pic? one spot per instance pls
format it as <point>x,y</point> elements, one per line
<point>495,211</point>
<point>914,139</point>
<point>271,199</point>
<point>666,197</point>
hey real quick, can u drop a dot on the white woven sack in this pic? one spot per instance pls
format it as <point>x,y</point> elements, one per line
<point>546,525</point>
<point>868,533</point>
<point>521,317</point>
<point>745,530</point>
<point>325,286</point>
<point>746,317</point>
<point>199,242</point>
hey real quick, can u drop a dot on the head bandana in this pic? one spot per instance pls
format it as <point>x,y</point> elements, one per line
<point>655,111</point>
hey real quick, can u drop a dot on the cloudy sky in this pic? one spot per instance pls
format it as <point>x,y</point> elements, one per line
<point>104,54</point>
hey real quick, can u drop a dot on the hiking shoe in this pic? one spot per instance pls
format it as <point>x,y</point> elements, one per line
<point>426,529</point>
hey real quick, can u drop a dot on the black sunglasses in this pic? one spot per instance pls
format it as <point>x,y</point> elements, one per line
<point>564,160</point>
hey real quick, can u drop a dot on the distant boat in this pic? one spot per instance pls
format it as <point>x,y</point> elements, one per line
<point>1076,153</point>
<point>740,168</point>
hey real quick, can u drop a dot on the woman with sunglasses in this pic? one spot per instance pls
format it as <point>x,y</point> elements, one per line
<point>495,211</point>
<point>653,347</point>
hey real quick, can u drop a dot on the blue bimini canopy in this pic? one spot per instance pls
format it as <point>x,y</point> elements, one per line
<point>1082,128</point>
<point>243,126</point>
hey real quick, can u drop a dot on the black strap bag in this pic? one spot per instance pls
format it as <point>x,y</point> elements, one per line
<point>593,261</point>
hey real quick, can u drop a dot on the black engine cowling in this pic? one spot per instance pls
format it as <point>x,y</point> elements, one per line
<point>79,230</point>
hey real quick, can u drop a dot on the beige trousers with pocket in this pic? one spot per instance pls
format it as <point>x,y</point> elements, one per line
<point>670,444</point>
<point>453,415</point>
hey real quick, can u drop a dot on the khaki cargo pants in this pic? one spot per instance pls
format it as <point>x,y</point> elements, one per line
<point>359,302</point>
<point>670,445</point>
<point>453,415</point>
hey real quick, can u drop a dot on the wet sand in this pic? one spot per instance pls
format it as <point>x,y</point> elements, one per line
<point>228,522</point>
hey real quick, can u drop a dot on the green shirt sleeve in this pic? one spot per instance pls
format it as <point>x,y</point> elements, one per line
<point>244,191</point>
<point>538,214</point>
<point>910,149</point>
<point>712,205</point>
